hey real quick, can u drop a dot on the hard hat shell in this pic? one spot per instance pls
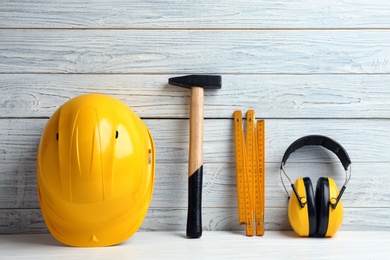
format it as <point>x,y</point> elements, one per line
<point>95,171</point>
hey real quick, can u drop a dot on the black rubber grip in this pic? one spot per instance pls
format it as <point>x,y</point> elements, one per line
<point>194,215</point>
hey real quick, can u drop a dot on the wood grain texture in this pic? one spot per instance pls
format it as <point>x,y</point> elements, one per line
<point>367,188</point>
<point>271,96</point>
<point>189,51</point>
<point>195,14</point>
<point>214,219</point>
<point>307,67</point>
<point>195,157</point>
<point>364,140</point>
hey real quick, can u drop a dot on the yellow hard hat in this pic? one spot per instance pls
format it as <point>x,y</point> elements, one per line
<point>95,171</point>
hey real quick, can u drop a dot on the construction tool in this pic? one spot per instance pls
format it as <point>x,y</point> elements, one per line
<point>250,172</point>
<point>197,84</point>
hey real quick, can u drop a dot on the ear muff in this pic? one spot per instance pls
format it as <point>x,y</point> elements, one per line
<point>318,214</point>
<point>329,219</point>
<point>322,206</point>
<point>316,217</point>
<point>303,220</point>
<point>335,214</point>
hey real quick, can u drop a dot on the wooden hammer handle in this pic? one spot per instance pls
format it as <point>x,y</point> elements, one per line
<point>195,165</point>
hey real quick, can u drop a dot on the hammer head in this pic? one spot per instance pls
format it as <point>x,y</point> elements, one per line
<point>204,81</point>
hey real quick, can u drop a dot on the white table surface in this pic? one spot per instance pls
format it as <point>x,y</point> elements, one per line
<point>212,245</point>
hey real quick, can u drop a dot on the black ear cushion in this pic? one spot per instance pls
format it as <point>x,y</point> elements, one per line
<point>322,206</point>
<point>311,208</point>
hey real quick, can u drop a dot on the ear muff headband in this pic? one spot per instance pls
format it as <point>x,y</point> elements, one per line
<point>320,140</point>
<point>327,143</point>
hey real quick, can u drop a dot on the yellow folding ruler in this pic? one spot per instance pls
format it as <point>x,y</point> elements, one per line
<point>250,172</point>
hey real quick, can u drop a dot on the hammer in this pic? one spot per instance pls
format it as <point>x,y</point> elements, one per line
<point>197,84</point>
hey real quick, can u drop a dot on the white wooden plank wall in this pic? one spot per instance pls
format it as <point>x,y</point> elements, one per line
<point>307,67</point>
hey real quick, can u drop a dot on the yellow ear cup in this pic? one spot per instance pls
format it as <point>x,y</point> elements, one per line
<point>302,219</point>
<point>335,215</point>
